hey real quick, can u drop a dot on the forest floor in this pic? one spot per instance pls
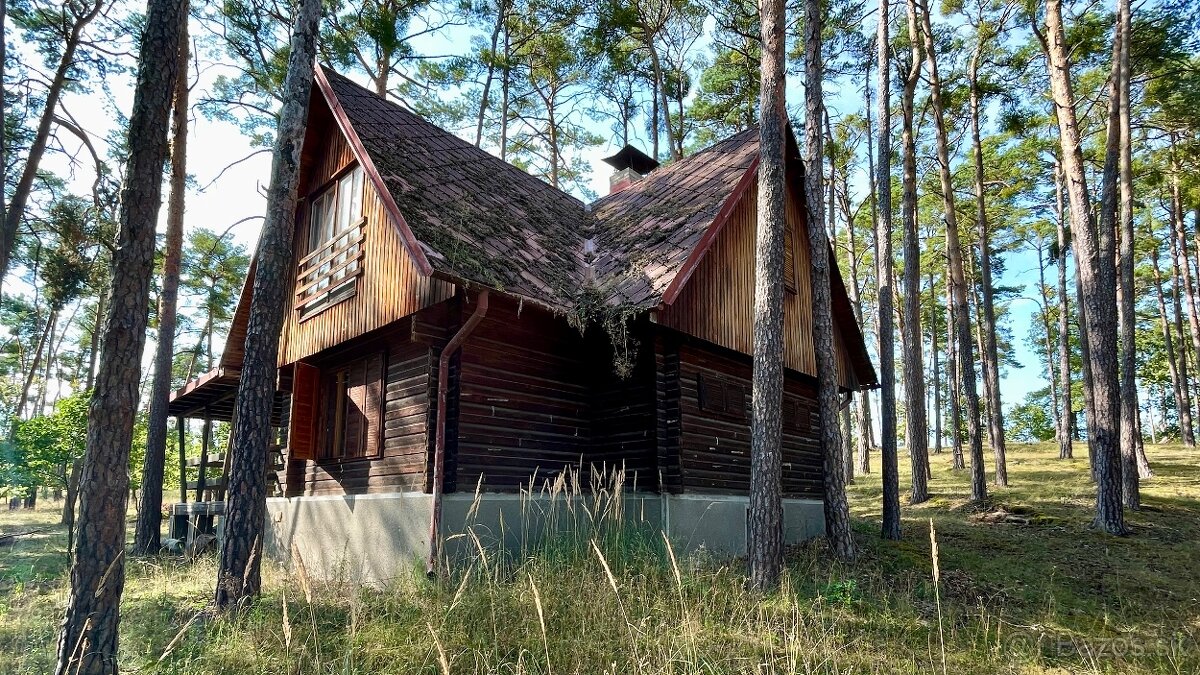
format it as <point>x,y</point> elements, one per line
<point>1026,587</point>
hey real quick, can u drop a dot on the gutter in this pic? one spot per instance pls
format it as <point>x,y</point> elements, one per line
<point>439,453</point>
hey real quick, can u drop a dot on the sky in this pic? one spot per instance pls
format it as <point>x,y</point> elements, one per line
<point>221,195</point>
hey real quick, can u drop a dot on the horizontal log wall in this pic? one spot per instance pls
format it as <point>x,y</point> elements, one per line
<point>714,454</point>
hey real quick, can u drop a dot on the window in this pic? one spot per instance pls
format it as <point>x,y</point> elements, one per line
<point>351,409</point>
<point>722,397</point>
<point>797,415</point>
<point>335,209</point>
<point>333,248</point>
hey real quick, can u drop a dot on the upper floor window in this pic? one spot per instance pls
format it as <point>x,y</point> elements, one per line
<point>335,209</point>
<point>329,270</point>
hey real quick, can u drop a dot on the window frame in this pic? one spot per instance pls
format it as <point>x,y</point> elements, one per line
<point>328,200</point>
<point>334,408</point>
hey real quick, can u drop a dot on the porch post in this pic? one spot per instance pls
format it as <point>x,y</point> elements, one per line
<point>182,459</point>
<point>204,441</point>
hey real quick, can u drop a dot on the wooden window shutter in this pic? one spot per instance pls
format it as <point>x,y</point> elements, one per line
<point>354,415</point>
<point>789,258</point>
<point>376,373</point>
<point>306,390</point>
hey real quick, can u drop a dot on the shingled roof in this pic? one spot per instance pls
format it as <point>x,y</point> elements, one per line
<point>468,215</point>
<point>473,216</point>
<point>647,231</point>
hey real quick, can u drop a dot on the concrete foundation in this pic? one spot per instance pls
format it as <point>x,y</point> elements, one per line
<point>375,538</point>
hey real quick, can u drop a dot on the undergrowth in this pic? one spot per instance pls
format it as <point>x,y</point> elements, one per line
<point>1039,594</point>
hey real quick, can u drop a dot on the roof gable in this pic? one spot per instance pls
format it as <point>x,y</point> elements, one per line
<point>469,215</point>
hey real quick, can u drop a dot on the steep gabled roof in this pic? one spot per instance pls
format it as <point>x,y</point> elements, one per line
<point>647,232</point>
<point>473,216</point>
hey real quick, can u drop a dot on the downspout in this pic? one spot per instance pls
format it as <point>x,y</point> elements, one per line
<point>439,452</point>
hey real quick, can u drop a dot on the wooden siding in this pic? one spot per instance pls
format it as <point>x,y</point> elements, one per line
<point>390,286</point>
<point>714,455</point>
<point>407,428</point>
<point>717,304</point>
<point>623,415</point>
<point>523,403</point>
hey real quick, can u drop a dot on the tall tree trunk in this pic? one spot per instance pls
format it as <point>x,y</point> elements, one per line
<point>94,343</point>
<point>916,434</point>
<point>661,104</point>
<point>1067,411</point>
<point>238,575</point>
<point>1178,366</point>
<point>837,508</point>
<point>501,18</point>
<point>955,374</point>
<point>1044,291</point>
<point>863,417</point>
<point>1097,271</point>
<point>885,284</point>
<point>765,540</point>
<point>147,532</point>
<point>38,353</point>
<point>1177,306</point>
<point>936,370</point>
<point>1130,429</point>
<point>991,358</point>
<point>957,280</point>
<point>87,642</point>
<point>41,138</point>
<point>505,99</point>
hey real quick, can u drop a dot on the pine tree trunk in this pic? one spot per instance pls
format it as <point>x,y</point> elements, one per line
<point>1051,374</point>
<point>148,531</point>
<point>1177,366</point>
<point>87,643</point>
<point>1094,252</point>
<point>953,371</point>
<point>916,433</point>
<point>238,575</point>
<point>936,371</point>
<point>501,15</point>
<point>991,358</point>
<point>1067,410</point>
<point>837,508</point>
<point>885,284</point>
<point>1130,429</point>
<point>765,529</point>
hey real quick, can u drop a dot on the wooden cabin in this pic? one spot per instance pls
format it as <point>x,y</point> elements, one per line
<point>576,336</point>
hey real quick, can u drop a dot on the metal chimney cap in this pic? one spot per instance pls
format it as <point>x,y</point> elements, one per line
<point>630,157</point>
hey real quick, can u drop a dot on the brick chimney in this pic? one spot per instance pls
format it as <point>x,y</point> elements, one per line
<point>629,165</point>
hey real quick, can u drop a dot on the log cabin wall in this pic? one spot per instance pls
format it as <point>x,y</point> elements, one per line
<point>401,464</point>
<point>624,409</point>
<point>523,400</point>
<point>717,303</point>
<point>389,288</point>
<point>714,436</point>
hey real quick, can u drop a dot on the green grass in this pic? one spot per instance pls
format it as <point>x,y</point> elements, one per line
<point>1044,595</point>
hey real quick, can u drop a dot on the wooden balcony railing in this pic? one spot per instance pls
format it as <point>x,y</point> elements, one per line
<point>329,273</point>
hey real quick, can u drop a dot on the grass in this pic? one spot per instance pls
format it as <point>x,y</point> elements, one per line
<point>1037,593</point>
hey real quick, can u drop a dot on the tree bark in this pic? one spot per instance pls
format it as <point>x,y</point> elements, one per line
<point>916,432</point>
<point>1130,429</point>
<point>837,508</point>
<point>501,17</point>
<point>1067,411</point>
<point>765,551</point>
<point>890,528</point>
<point>953,371</point>
<point>148,530</point>
<point>238,575</point>
<point>1097,271</point>
<point>87,642</point>
<point>991,358</point>
<point>1177,365</point>
<point>936,371</point>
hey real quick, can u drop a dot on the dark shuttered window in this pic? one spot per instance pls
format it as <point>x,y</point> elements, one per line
<point>720,396</point>
<point>352,407</point>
